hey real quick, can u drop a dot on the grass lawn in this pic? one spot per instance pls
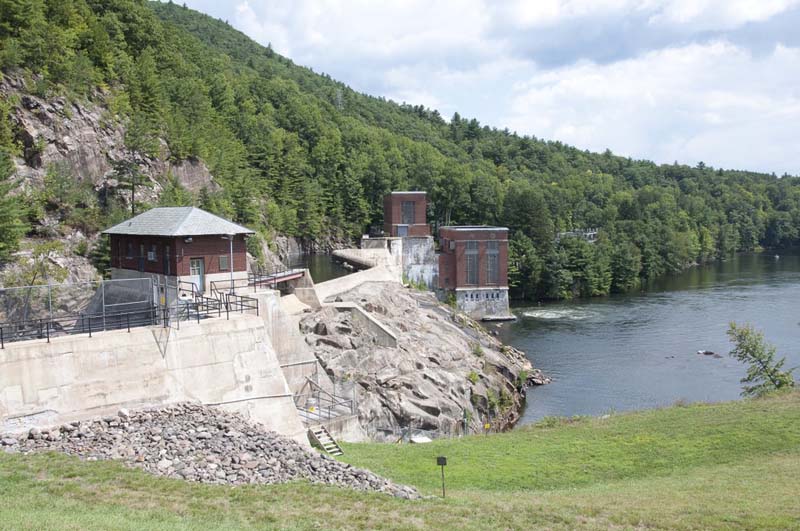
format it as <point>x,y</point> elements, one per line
<point>733,465</point>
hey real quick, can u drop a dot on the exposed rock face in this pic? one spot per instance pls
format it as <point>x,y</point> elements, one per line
<point>199,443</point>
<point>445,365</point>
<point>88,140</point>
<point>71,291</point>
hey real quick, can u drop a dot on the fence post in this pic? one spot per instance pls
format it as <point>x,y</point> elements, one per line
<point>2,340</point>
<point>40,329</point>
<point>90,325</point>
<point>49,299</point>
<point>128,319</point>
<point>103,293</point>
<point>47,327</point>
<point>257,315</point>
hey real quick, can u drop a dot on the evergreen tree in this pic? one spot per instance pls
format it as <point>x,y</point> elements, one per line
<point>12,213</point>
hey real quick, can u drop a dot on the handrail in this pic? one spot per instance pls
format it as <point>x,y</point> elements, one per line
<point>192,289</point>
<point>197,308</point>
<point>44,328</point>
<point>319,388</point>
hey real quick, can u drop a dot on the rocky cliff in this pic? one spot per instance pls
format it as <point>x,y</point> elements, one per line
<point>88,139</point>
<point>444,370</point>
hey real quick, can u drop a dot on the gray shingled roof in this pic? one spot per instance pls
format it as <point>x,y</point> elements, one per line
<point>177,221</point>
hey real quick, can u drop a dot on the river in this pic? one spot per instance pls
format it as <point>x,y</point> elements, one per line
<point>322,267</point>
<point>639,351</point>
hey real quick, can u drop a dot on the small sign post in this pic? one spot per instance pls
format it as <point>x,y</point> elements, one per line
<point>442,462</point>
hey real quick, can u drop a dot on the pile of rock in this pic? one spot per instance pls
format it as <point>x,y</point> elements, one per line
<point>199,443</point>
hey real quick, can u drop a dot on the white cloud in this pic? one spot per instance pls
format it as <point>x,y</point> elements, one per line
<point>699,14</point>
<point>719,14</point>
<point>715,102</point>
<point>639,77</point>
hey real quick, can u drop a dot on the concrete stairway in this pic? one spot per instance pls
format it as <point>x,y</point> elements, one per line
<point>325,440</point>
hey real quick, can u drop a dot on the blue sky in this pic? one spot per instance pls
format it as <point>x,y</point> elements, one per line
<point>686,80</point>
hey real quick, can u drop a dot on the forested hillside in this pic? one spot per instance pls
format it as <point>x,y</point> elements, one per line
<point>299,154</point>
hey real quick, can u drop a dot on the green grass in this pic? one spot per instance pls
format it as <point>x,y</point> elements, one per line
<point>733,465</point>
<point>563,453</point>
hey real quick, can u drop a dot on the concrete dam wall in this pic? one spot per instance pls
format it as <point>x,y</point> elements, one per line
<point>226,363</point>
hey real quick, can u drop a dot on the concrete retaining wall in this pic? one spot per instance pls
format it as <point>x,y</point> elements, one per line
<point>347,429</point>
<point>331,288</point>
<point>484,303</point>
<point>230,364</point>
<point>282,317</point>
<point>420,263</point>
<point>383,336</point>
<point>366,258</point>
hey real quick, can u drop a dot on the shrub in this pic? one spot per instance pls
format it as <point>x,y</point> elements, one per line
<point>473,377</point>
<point>492,400</point>
<point>82,248</point>
<point>477,349</point>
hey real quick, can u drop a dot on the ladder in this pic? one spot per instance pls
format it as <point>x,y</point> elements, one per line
<point>325,440</point>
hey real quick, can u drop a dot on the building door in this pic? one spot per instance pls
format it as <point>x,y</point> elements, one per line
<point>197,274</point>
<point>167,268</point>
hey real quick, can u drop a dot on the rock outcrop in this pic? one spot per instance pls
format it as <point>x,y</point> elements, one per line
<point>445,370</point>
<point>88,140</point>
<point>199,443</point>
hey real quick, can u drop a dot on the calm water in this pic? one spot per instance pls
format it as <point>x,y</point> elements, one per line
<point>640,351</point>
<point>321,266</point>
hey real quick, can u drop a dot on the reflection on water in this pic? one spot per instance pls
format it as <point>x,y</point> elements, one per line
<point>640,350</point>
<point>321,266</point>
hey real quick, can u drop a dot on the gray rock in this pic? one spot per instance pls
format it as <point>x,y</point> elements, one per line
<point>413,383</point>
<point>197,446</point>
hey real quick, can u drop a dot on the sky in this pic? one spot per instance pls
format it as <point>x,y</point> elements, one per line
<point>716,81</point>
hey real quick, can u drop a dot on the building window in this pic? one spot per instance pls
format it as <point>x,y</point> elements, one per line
<point>492,261</point>
<point>407,212</point>
<point>472,262</point>
<point>129,251</point>
<point>152,254</point>
<point>223,262</point>
<point>196,267</point>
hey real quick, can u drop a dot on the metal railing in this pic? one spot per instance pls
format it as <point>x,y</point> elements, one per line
<point>319,404</point>
<point>405,434</point>
<point>195,309</point>
<point>271,276</point>
<point>255,280</point>
<point>46,328</point>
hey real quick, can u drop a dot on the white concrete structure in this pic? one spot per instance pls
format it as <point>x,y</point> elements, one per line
<point>226,363</point>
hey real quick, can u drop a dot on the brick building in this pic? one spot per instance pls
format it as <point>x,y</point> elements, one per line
<point>473,265</point>
<point>405,214</point>
<point>179,244</point>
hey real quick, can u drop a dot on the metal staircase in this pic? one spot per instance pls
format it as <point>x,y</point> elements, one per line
<point>325,440</point>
